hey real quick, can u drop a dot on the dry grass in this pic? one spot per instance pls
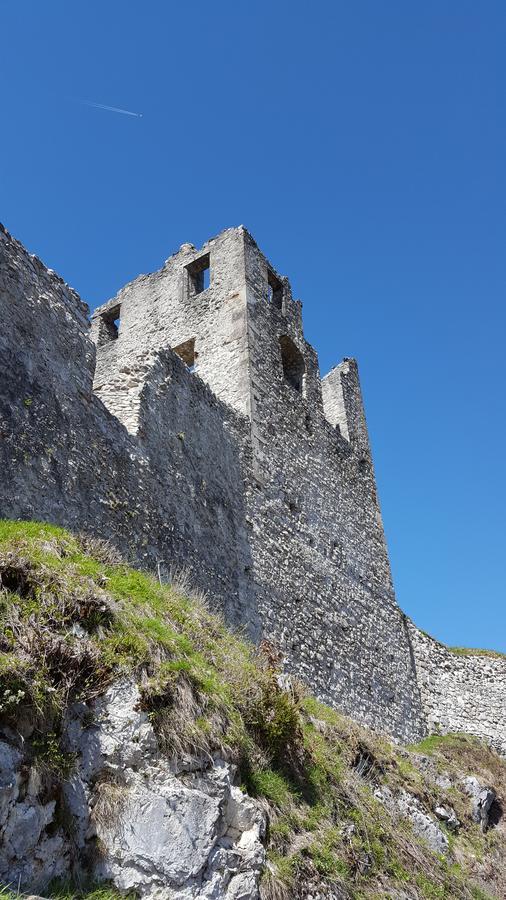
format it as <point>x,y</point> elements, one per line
<point>72,622</point>
<point>108,801</point>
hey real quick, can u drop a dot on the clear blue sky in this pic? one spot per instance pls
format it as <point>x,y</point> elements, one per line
<point>364,145</point>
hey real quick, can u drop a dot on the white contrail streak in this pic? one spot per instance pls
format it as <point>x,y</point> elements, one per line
<point>125,112</point>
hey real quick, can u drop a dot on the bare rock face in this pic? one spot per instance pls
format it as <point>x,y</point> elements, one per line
<point>482,800</point>
<point>410,808</point>
<point>29,852</point>
<point>164,831</point>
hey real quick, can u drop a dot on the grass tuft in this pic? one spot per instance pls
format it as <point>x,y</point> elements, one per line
<point>74,618</point>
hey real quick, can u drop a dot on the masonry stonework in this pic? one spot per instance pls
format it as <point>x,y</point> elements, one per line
<point>195,432</point>
<point>461,690</point>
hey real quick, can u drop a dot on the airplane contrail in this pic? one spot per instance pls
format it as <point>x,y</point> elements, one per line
<point>125,112</point>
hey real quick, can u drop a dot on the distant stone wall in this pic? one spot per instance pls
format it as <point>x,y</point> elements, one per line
<point>461,692</point>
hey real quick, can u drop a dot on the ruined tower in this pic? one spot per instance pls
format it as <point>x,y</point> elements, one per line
<point>209,443</point>
<point>319,565</point>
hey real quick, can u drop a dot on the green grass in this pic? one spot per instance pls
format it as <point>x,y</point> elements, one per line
<point>132,625</point>
<point>476,651</point>
<point>66,891</point>
<point>206,691</point>
<point>265,782</point>
<point>434,742</point>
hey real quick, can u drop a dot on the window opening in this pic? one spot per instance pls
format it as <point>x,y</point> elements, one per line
<point>294,368</point>
<point>186,352</point>
<point>110,325</point>
<point>199,275</point>
<point>274,290</point>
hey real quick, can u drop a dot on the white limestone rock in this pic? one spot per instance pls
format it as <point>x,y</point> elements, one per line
<point>482,799</point>
<point>173,834</point>
<point>423,824</point>
<point>164,833</point>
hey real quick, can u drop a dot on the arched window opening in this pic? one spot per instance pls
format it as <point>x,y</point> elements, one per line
<point>294,368</point>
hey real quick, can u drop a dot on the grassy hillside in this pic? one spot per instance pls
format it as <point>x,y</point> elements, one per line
<point>74,618</point>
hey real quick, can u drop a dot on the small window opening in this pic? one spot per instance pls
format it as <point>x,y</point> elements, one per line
<point>186,352</point>
<point>293,364</point>
<point>274,290</point>
<point>199,275</point>
<point>110,324</point>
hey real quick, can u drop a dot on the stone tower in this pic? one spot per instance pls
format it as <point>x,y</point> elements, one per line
<point>319,564</point>
<point>228,458</point>
<point>232,319</point>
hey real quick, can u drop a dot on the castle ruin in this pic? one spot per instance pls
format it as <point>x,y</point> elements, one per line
<point>190,427</point>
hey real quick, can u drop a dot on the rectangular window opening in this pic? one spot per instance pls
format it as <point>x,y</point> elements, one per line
<point>109,325</point>
<point>274,290</point>
<point>199,275</point>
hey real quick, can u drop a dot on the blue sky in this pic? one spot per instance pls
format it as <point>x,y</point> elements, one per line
<point>364,145</point>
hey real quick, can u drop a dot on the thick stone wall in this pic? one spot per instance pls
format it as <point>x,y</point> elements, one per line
<point>226,455</point>
<point>461,691</point>
<point>325,589</point>
<point>173,495</point>
<point>319,562</point>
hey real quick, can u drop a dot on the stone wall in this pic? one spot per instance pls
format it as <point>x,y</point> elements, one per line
<point>319,564</point>
<point>319,551</point>
<point>226,456</point>
<point>172,495</point>
<point>461,691</point>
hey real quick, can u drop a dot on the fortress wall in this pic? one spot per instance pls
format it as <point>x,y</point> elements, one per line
<point>176,496</point>
<point>461,692</point>
<point>270,508</point>
<point>319,553</point>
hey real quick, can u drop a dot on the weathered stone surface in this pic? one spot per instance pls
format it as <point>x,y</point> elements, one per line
<point>482,798</point>
<point>423,824</point>
<point>164,831</point>
<point>448,815</point>
<point>461,692</point>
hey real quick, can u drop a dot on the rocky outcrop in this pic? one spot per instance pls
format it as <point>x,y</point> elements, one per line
<point>407,806</point>
<point>164,829</point>
<point>483,800</point>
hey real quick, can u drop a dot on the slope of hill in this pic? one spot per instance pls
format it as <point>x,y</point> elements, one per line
<point>146,749</point>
